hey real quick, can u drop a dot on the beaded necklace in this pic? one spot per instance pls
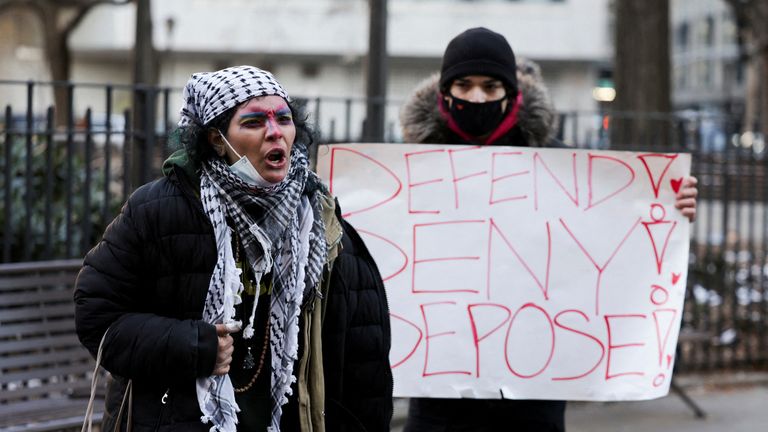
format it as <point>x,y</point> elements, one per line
<point>248,361</point>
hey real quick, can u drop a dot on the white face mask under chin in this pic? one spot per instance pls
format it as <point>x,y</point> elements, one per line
<point>244,169</point>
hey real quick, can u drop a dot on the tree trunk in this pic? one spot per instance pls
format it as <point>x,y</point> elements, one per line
<point>760,42</point>
<point>59,58</point>
<point>641,74</point>
<point>752,93</point>
<point>751,16</point>
<point>376,72</point>
<point>145,76</point>
<point>763,70</point>
<point>59,19</point>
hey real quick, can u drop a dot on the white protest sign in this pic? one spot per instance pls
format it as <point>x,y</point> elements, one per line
<point>522,273</point>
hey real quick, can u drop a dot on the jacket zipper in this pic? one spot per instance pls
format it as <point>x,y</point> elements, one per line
<point>163,404</point>
<point>386,306</point>
<point>367,254</point>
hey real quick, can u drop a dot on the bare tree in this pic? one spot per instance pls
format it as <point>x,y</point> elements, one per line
<point>59,19</point>
<point>751,18</point>
<point>144,95</point>
<point>376,71</point>
<point>641,73</point>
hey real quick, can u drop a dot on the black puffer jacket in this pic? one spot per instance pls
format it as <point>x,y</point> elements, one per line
<point>147,282</point>
<point>358,383</point>
<point>536,126</point>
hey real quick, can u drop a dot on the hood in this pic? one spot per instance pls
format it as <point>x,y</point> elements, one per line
<point>180,158</point>
<point>180,168</point>
<point>422,123</point>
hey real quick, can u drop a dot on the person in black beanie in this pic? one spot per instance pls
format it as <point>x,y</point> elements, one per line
<point>478,83</point>
<point>483,95</point>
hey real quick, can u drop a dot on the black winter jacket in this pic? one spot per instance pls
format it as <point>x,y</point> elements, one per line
<point>147,282</point>
<point>358,380</point>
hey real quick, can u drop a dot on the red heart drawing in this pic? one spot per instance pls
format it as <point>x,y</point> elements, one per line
<point>675,278</point>
<point>676,183</point>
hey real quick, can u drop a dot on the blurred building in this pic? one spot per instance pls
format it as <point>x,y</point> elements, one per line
<point>707,72</point>
<point>709,79</point>
<point>318,48</point>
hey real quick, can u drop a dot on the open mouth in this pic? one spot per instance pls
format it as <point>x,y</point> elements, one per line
<point>276,156</point>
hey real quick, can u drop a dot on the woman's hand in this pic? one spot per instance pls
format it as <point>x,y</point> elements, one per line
<point>225,350</point>
<point>686,198</point>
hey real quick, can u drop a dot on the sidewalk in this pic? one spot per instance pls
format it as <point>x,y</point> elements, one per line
<point>737,409</point>
<point>734,403</point>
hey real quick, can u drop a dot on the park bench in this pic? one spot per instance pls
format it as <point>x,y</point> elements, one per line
<point>45,374</point>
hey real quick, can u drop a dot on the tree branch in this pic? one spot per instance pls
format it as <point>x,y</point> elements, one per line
<point>85,7</point>
<point>65,2</point>
<point>91,3</point>
<point>33,6</point>
<point>10,4</point>
<point>74,22</point>
<point>39,6</point>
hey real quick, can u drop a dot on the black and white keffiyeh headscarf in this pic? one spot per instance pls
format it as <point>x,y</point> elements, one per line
<point>281,231</point>
<point>208,94</point>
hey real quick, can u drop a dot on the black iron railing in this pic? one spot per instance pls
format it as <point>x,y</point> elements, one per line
<point>64,178</point>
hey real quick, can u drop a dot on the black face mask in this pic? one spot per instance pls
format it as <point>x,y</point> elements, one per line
<point>476,119</point>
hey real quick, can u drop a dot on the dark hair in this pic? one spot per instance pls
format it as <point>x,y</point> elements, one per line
<point>194,137</point>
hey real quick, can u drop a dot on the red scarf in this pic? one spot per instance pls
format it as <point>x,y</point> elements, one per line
<point>509,121</point>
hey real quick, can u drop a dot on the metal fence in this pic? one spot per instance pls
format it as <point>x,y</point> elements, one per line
<point>62,182</point>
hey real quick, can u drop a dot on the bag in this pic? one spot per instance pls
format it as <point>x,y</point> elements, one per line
<point>88,420</point>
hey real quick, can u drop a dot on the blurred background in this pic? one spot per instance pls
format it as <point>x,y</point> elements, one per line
<point>705,55</point>
<point>90,90</point>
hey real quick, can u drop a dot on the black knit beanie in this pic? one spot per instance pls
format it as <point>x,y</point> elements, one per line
<point>479,51</point>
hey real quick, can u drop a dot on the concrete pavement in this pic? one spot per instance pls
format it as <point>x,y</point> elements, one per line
<point>739,409</point>
<point>732,402</point>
